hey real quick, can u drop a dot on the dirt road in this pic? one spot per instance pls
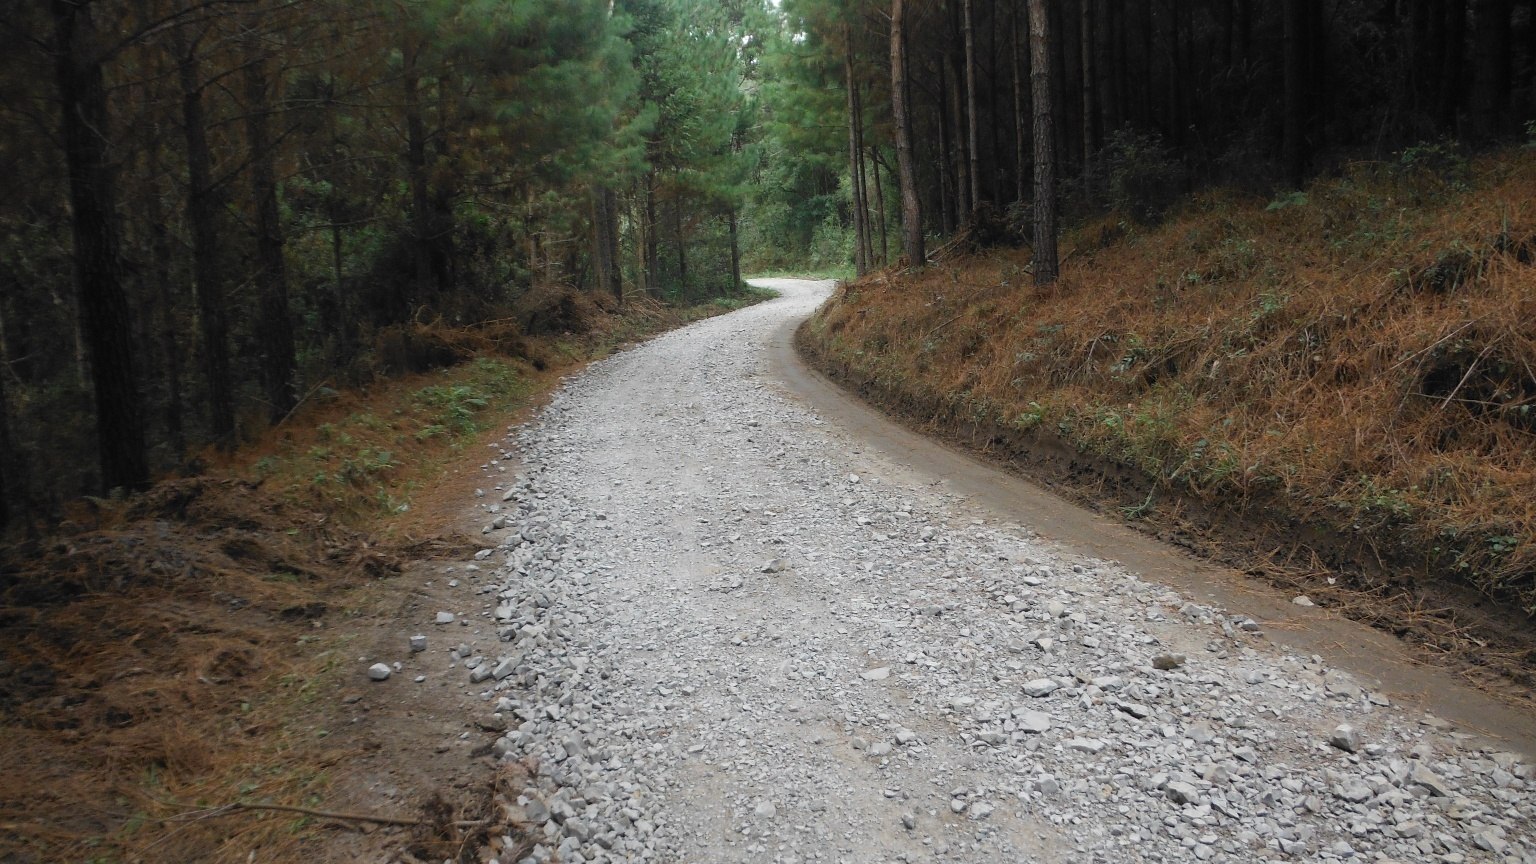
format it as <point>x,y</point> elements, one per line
<point>734,619</point>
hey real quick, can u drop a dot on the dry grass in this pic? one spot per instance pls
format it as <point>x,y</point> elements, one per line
<point>1362,358</point>
<point>170,660</point>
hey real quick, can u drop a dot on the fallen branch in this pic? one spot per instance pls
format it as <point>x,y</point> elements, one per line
<point>312,391</point>
<point>227,809</point>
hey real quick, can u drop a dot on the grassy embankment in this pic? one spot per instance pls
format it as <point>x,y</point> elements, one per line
<point>1339,381</point>
<point>186,649</point>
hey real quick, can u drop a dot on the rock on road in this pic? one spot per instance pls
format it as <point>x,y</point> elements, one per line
<point>727,632</point>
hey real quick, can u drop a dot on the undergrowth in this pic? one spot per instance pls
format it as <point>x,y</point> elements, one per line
<point>178,653</point>
<point>1359,355</point>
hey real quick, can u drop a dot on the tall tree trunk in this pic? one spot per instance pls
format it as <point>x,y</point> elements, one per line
<point>1451,69</point>
<point>682,246</point>
<point>948,197</point>
<point>275,324</point>
<point>202,213</point>
<point>911,210</point>
<point>1090,90</point>
<point>1294,142</point>
<point>416,173</point>
<point>864,183</point>
<point>103,300</point>
<point>972,120</point>
<point>1491,68</point>
<point>1021,130</point>
<point>11,500</point>
<point>885,246</point>
<point>1045,263</point>
<point>860,262</point>
<point>1062,107</point>
<point>730,217</point>
<point>605,242</point>
<point>959,151</point>
<point>652,241</point>
<point>165,308</point>
<point>1112,77</point>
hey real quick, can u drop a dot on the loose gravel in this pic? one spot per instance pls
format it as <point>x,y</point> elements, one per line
<point>722,632</point>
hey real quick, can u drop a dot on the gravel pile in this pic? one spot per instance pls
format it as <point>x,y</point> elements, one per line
<point>724,633</point>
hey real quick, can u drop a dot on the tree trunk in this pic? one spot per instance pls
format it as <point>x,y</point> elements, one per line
<point>864,185</point>
<point>885,246</point>
<point>972,139</point>
<point>1112,71</point>
<point>1045,263</point>
<point>1490,71</point>
<point>961,166</point>
<point>911,210</point>
<point>948,197</point>
<point>1021,132</point>
<point>652,241</point>
<point>1451,71</point>
<point>1090,90</point>
<point>605,242</point>
<point>275,325</point>
<point>202,214</point>
<point>165,307</point>
<point>860,262</point>
<point>735,250</point>
<point>416,171</point>
<point>1295,157</point>
<point>682,247</point>
<point>11,501</point>
<point>103,300</point>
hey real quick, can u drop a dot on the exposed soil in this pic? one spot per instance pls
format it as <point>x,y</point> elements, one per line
<point>1422,645</point>
<point>194,656</point>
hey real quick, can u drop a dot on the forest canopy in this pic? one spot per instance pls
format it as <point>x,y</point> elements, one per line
<point>218,206</point>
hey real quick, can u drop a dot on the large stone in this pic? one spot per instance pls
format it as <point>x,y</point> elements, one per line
<point>1345,737</point>
<point>1040,687</point>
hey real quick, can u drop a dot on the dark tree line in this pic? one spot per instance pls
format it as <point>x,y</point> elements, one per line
<point>1151,97</point>
<point>216,206</point>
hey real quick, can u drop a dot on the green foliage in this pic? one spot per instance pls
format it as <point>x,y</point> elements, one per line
<point>1295,198</point>
<point>1144,177</point>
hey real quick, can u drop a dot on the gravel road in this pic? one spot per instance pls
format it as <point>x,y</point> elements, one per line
<point>726,631</point>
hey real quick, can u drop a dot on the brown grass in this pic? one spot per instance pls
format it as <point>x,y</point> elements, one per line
<point>1363,359</point>
<point>169,656</point>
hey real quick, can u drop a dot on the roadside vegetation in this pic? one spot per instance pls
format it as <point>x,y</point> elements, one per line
<point>185,651</point>
<point>1354,358</point>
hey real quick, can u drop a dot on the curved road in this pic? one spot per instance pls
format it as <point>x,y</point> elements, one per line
<point>745,620</point>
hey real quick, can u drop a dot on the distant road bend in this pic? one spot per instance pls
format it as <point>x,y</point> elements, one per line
<point>753,628</point>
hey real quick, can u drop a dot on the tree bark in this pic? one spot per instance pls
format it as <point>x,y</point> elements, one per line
<point>652,241</point>
<point>11,503</point>
<point>885,246</point>
<point>1021,129</point>
<point>605,242</point>
<point>202,214</point>
<point>1045,263</point>
<point>275,324</point>
<point>682,246</point>
<point>416,172</point>
<point>911,209</point>
<point>959,151</point>
<point>855,173</point>
<point>1451,71</point>
<point>1295,155</point>
<point>948,197</point>
<point>735,250</point>
<point>1090,88</point>
<point>1491,69</point>
<point>165,308</point>
<point>973,148</point>
<point>103,300</point>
